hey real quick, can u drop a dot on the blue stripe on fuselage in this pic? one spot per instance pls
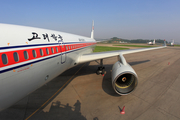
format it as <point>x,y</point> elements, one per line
<point>33,45</point>
<point>16,67</point>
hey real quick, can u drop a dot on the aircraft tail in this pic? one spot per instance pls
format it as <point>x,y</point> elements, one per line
<point>164,42</point>
<point>92,32</point>
<point>154,41</point>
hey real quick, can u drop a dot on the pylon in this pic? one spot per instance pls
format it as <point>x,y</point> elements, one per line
<point>123,111</point>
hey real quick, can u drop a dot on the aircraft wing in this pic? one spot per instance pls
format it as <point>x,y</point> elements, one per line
<point>102,55</point>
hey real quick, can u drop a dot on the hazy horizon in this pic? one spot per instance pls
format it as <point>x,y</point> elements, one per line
<point>117,18</point>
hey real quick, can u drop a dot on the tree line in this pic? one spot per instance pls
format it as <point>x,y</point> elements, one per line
<point>118,40</point>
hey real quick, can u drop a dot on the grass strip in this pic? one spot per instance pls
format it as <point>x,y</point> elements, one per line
<point>144,46</point>
<point>177,45</point>
<point>104,48</point>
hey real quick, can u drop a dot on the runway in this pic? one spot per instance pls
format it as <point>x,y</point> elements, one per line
<point>80,94</point>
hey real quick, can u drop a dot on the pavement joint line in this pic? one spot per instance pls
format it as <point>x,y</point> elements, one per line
<point>167,112</point>
<point>76,92</point>
<point>158,98</point>
<point>54,94</point>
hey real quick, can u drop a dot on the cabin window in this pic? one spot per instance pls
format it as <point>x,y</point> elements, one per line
<point>69,47</point>
<point>34,53</point>
<point>4,59</point>
<point>41,52</point>
<point>56,49</point>
<point>47,51</point>
<point>16,57</point>
<point>66,48</point>
<point>26,55</point>
<point>52,50</point>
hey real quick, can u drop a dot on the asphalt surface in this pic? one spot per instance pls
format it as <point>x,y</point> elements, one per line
<point>80,94</point>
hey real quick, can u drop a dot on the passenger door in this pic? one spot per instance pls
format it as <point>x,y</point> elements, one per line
<point>62,47</point>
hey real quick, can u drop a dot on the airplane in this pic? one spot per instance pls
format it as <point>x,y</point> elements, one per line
<point>172,43</point>
<point>31,57</point>
<point>151,43</point>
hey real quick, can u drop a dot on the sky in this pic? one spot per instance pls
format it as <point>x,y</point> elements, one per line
<point>128,19</point>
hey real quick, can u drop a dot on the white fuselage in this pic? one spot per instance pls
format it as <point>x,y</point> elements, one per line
<point>151,43</point>
<point>172,43</point>
<point>31,57</point>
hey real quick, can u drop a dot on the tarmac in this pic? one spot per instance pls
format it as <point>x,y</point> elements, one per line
<point>80,94</point>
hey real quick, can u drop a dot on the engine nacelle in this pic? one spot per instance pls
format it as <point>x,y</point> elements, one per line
<point>124,78</point>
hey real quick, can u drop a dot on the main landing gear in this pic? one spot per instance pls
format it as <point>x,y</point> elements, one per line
<point>101,69</point>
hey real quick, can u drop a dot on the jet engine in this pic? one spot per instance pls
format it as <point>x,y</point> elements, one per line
<point>124,78</point>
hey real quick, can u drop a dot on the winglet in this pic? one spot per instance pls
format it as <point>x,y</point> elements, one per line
<point>92,32</point>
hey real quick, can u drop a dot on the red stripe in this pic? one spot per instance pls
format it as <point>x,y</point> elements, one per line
<point>11,60</point>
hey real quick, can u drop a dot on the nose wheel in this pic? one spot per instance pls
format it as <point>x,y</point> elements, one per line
<point>101,69</point>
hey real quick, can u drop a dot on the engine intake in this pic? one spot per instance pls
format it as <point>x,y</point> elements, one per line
<point>124,78</point>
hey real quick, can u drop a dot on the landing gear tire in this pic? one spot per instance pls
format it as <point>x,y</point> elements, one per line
<point>100,70</point>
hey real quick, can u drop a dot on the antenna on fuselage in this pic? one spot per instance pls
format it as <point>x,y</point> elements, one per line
<point>92,32</point>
